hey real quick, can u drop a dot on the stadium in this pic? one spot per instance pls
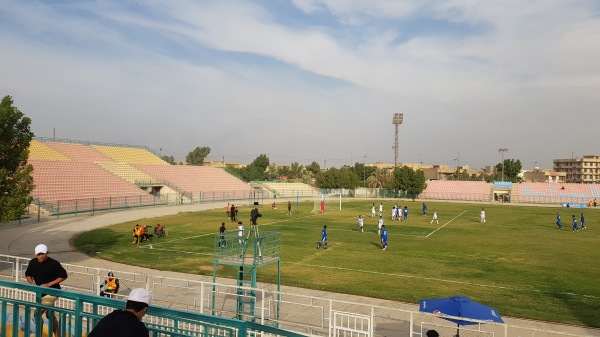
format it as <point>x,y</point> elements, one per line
<point>89,196</point>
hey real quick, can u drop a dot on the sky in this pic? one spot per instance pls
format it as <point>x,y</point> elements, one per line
<point>311,80</point>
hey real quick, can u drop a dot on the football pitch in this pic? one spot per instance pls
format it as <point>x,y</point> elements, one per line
<point>518,261</point>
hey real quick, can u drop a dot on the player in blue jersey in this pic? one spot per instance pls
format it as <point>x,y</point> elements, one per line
<point>405,215</point>
<point>559,220</point>
<point>384,233</point>
<point>323,238</point>
<point>582,221</point>
<point>575,228</point>
<point>424,209</point>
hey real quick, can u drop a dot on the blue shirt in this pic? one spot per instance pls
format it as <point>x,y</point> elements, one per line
<point>384,234</point>
<point>405,210</point>
<point>324,231</point>
<point>558,218</point>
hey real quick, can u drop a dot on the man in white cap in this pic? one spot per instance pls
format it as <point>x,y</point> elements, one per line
<point>46,272</point>
<point>126,323</point>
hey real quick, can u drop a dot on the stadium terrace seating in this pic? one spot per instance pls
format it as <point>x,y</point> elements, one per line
<point>126,171</point>
<point>79,152</point>
<point>457,190</point>
<point>533,192</point>
<point>37,150</point>
<point>209,181</point>
<point>61,182</point>
<point>290,189</point>
<point>130,155</point>
<point>556,192</point>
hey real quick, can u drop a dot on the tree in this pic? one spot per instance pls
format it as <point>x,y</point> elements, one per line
<point>314,167</point>
<point>255,171</point>
<point>363,171</point>
<point>408,180</point>
<point>16,182</point>
<point>378,179</point>
<point>296,170</point>
<point>261,162</point>
<point>169,159</point>
<point>337,178</point>
<point>512,168</point>
<point>197,156</point>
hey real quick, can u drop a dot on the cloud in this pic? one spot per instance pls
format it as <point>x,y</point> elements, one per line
<point>469,75</point>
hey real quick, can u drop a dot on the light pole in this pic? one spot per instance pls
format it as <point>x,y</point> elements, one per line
<point>502,150</point>
<point>398,118</point>
<point>364,172</point>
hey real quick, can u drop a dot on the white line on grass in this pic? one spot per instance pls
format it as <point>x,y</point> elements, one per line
<point>445,224</point>
<point>444,280</point>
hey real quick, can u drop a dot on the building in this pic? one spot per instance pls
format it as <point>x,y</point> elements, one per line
<point>542,175</point>
<point>585,170</point>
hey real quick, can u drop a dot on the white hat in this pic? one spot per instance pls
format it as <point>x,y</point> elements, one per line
<point>41,248</point>
<point>139,295</point>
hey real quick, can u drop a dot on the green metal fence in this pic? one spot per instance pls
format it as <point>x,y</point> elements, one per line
<point>21,315</point>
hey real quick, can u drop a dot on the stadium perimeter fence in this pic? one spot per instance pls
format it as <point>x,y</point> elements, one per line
<point>324,315</point>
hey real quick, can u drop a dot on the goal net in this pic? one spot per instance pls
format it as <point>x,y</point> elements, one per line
<point>327,202</point>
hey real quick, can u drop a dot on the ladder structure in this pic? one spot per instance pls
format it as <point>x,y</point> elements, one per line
<point>247,251</point>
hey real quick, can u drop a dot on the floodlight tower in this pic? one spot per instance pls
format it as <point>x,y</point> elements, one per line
<point>503,150</point>
<point>398,118</point>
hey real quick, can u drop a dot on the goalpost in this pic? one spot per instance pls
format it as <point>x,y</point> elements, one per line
<point>330,200</point>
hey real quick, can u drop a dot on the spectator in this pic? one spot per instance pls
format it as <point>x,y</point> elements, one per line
<point>126,323</point>
<point>46,272</point>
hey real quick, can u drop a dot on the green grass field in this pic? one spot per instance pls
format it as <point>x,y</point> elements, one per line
<point>518,262</point>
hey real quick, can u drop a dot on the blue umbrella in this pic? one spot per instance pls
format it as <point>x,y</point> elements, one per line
<point>460,307</point>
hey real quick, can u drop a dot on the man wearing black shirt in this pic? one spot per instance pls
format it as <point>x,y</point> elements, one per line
<point>46,272</point>
<point>126,323</point>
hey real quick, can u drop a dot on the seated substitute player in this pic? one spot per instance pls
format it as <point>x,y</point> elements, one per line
<point>384,233</point>
<point>323,238</point>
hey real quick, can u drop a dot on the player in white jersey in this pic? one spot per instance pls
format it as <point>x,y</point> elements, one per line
<point>380,209</point>
<point>361,222</point>
<point>379,224</point>
<point>434,217</point>
<point>373,211</point>
<point>482,215</point>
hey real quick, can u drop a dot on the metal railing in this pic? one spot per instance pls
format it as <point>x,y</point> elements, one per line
<point>76,314</point>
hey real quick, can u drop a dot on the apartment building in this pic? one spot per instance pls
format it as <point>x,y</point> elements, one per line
<point>585,169</point>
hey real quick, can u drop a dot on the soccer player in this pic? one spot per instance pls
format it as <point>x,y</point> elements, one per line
<point>397,216</point>
<point>424,209</point>
<point>380,209</point>
<point>240,232</point>
<point>379,225</point>
<point>323,238</point>
<point>384,233</point>
<point>434,217</point>
<point>482,215</point>
<point>405,216</point>
<point>582,221</point>
<point>361,222</point>
<point>559,220</point>
<point>373,211</point>
<point>575,229</point>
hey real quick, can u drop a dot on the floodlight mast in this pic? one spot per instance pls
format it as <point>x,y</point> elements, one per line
<point>398,118</point>
<point>503,150</point>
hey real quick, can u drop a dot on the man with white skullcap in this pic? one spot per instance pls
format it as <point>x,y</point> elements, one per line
<point>126,323</point>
